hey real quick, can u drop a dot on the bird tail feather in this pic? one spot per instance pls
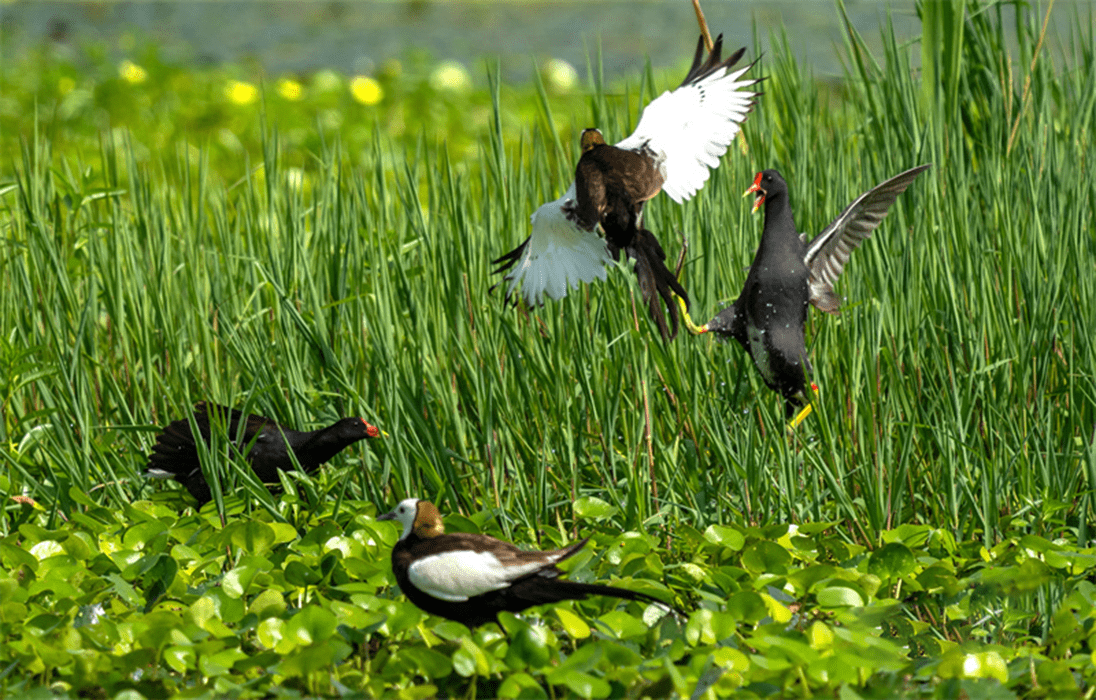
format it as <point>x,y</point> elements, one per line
<point>656,282</point>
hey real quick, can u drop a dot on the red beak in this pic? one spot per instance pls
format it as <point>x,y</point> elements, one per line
<point>756,187</point>
<point>371,430</point>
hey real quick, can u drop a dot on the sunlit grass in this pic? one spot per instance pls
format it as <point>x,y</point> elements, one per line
<point>956,388</point>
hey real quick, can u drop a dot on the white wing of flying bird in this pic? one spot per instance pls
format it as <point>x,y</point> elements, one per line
<point>685,131</point>
<point>556,256</point>
<point>690,129</point>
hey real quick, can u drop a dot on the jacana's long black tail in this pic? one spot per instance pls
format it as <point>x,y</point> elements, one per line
<point>656,282</point>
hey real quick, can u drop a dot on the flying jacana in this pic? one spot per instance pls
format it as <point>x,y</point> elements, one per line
<point>680,136</point>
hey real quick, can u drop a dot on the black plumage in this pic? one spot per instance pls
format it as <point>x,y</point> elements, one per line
<point>263,443</point>
<point>768,317</point>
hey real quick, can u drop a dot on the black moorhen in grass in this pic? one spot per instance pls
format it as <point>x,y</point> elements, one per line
<point>680,136</point>
<point>768,317</point>
<point>471,578</point>
<point>264,445</point>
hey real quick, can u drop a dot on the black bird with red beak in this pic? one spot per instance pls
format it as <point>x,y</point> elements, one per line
<point>787,273</point>
<point>263,443</point>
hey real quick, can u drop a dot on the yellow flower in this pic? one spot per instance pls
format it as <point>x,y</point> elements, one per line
<point>131,72</point>
<point>240,92</point>
<point>366,90</point>
<point>66,85</point>
<point>290,89</point>
<point>450,75</point>
<point>560,74</point>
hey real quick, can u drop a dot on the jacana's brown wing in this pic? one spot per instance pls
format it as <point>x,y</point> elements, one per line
<point>613,180</point>
<point>828,252</point>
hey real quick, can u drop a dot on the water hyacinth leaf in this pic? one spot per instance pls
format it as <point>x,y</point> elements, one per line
<point>312,625</point>
<point>314,658</point>
<point>180,659</point>
<point>891,561</point>
<point>124,590</point>
<point>300,575</point>
<point>253,537</point>
<point>593,508</point>
<point>838,597</point>
<point>766,557</point>
<point>522,685</point>
<point>725,536</point>
<point>236,582</point>
<point>574,625</point>
<point>219,663</point>
<point>709,627</point>
<point>268,603</point>
<point>283,532</point>
<point>271,632</point>
<point>469,660</point>
<point>14,557</point>
<point>45,549</point>
<point>622,625</point>
<point>528,647</point>
<point>583,659</point>
<point>428,662</point>
<point>146,535</point>
<point>747,606</point>
<point>583,685</point>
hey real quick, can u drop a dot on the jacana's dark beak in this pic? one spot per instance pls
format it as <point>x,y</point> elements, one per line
<point>387,516</point>
<point>756,187</point>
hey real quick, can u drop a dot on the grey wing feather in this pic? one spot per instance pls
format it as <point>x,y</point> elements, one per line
<point>830,250</point>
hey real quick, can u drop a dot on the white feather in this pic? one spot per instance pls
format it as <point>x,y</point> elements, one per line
<point>559,255</point>
<point>690,129</point>
<point>457,576</point>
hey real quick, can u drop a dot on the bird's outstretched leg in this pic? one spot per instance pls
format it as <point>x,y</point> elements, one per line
<point>803,412</point>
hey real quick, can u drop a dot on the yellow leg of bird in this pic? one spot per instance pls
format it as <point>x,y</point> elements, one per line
<point>800,417</point>
<point>806,410</point>
<point>689,325</point>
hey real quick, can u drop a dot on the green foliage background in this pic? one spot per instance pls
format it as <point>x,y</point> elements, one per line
<point>926,532</point>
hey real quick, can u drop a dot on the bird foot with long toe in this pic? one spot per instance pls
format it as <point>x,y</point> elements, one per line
<point>690,325</point>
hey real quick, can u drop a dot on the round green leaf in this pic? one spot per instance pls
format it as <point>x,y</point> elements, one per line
<point>592,508</point>
<point>725,536</point>
<point>766,557</point>
<point>574,625</point>
<point>892,561</point>
<point>253,537</point>
<point>839,597</point>
<point>428,662</point>
<point>312,625</point>
<point>297,574</point>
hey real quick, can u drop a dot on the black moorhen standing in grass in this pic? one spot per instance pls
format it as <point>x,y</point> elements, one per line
<point>768,317</point>
<point>471,578</point>
<point>680,136</point>
<point>263,443</point>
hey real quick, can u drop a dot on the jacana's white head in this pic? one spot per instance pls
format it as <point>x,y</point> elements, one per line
<point>420,517</point>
